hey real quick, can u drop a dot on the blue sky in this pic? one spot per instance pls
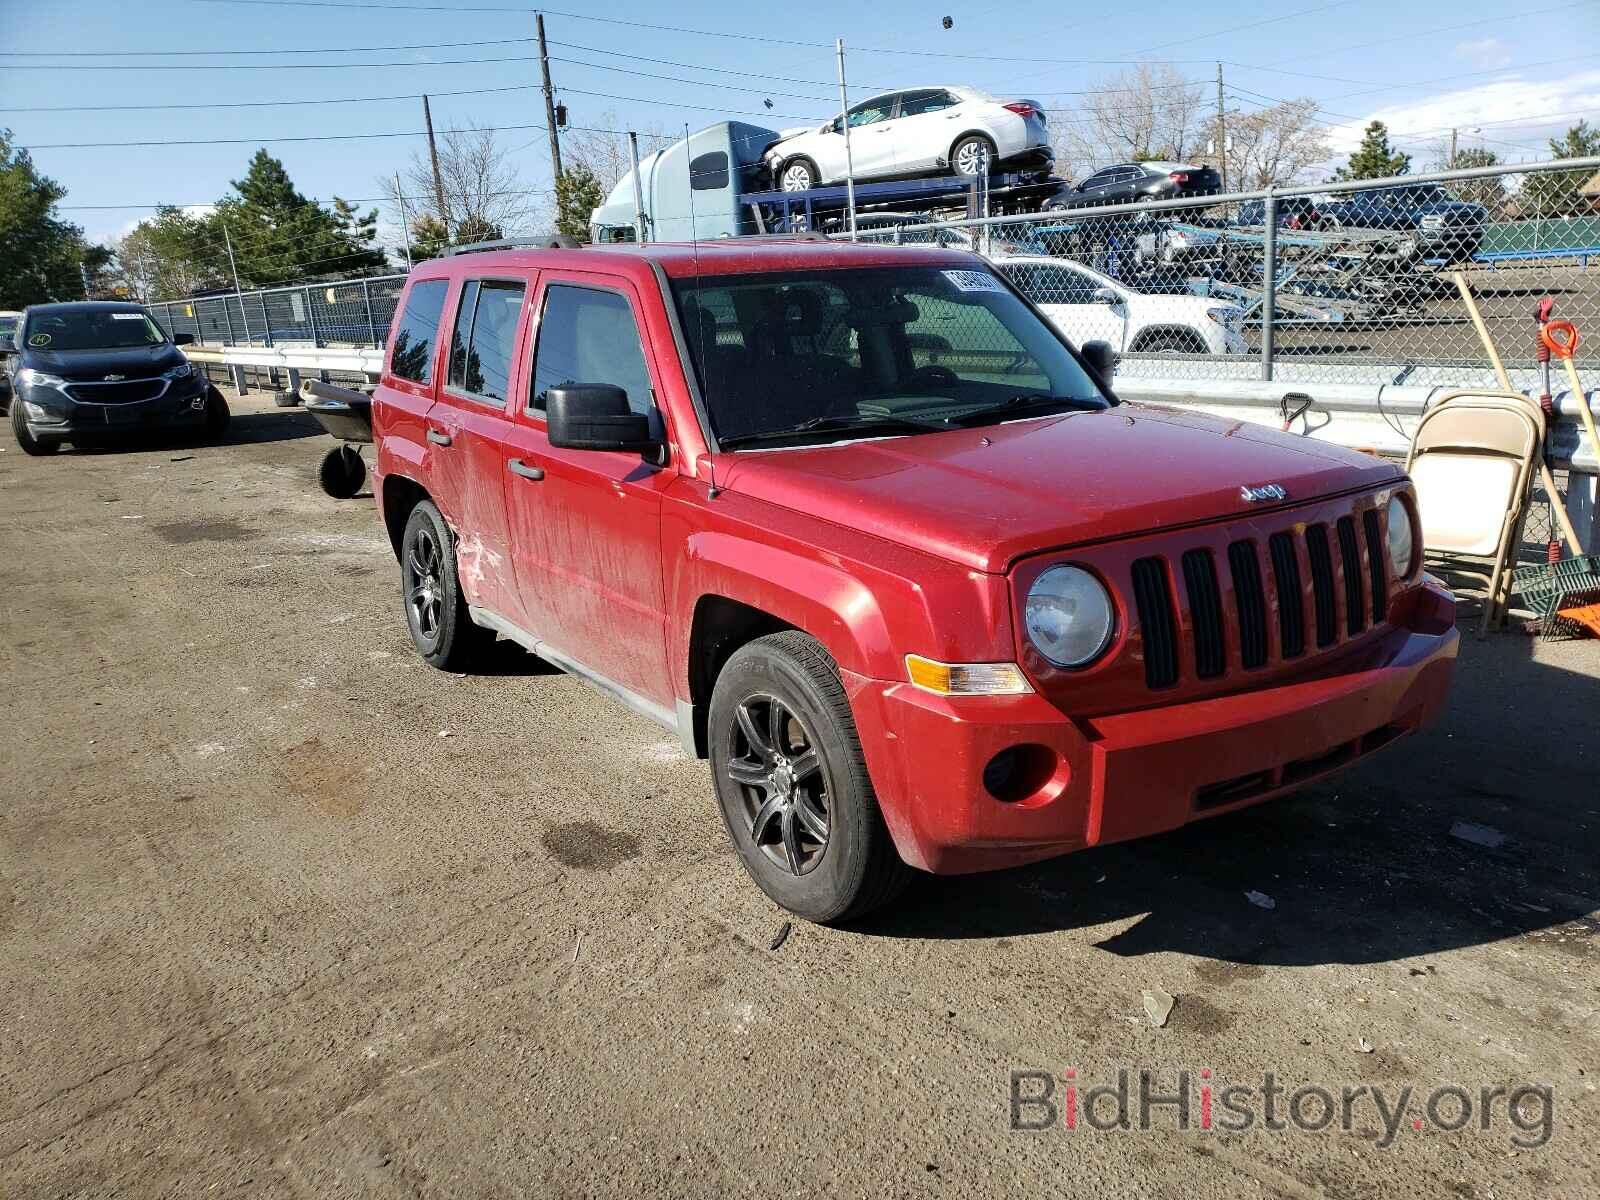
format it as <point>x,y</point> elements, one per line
<point>1516,74</point>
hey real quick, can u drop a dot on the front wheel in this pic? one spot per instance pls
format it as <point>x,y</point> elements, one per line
<point>26,441</point>
<point>436,611</point>
<point>342,472</point>
<point>218,417</point>
<point>799,175</point>
<point>973,155</point>
<point>792,784</point>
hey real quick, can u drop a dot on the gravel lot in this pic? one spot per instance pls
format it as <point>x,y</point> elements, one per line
<point>285,912</point>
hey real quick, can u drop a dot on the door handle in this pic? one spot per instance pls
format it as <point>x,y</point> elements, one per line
<point>518,467</point>
<point>439,438</point>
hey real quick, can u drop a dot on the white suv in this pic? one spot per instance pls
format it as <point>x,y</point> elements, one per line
<point>1087,306</point>
<point>909,133</point>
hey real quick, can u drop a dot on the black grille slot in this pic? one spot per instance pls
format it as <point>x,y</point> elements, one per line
<point>1152,596</point>
<point>1322,583</point>
<point>1251,601</point>
<point>1291,605</point>
<point>1377,552</point>
<point>1205,611</point>
<point>1350,555</point>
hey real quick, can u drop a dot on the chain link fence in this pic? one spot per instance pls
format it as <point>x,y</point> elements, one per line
<point>354,312</point>
<point>1347,283</point>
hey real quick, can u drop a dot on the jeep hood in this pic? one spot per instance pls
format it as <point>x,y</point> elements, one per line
<point>987,497</point>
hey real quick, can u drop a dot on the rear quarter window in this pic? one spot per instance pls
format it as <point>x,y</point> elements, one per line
<point>417,331</point>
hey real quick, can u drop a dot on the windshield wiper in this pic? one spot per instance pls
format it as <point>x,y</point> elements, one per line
<point>1022,403</point>
<point>835,424</point>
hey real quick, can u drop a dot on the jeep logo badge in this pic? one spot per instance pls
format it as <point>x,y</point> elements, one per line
<point>1264,493</point>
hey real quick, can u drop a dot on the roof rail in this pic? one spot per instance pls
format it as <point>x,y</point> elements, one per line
<point>548,241</point>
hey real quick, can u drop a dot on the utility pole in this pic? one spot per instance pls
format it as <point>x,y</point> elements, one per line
<point>549,99</point>
<point>639,219</point>
<point>234,267</point>
<point>438,181</point>
<point>844,121</point>
<point>1222,133</point>
<point>1451,161</point>
<point>405,218</point>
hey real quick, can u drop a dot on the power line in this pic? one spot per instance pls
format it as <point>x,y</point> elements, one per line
<point>344,66</point>
<point>1200,37</point>
<point>292,50</point>
<point>515,87</point>
<point>714,33</point>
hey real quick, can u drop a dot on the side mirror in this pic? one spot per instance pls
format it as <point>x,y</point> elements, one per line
<point>183,339</point>
<point>1104,295</point>
<point>1102,359</point>
<point>595,416</point>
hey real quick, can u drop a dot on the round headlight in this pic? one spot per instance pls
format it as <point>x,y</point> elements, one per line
<point>1402,544</point>
<point>1069,616</point>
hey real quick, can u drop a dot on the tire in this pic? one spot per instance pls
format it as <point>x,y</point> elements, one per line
<point>342,472</point>
<point>218,417</point>
<point>973,155</point>
<point>795,798</point>
<point>1172,343</point>
<point>430,592</point>
<point>286,398</point>
<point>798,175</point>
<point>38,447</point>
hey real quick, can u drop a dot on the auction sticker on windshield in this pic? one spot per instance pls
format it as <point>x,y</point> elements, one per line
<point>127,316</point>
<point>974,281</point>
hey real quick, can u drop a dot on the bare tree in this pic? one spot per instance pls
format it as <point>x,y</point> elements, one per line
<point>1273,145</point>
<point>1146,112</point>
<point>606,154</point>
<point>485,196</point>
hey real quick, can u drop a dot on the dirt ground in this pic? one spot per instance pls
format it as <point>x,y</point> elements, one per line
<point>285,912</point>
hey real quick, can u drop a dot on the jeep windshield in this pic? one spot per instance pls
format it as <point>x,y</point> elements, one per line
<point>800,357</point>
<point>91,329</point>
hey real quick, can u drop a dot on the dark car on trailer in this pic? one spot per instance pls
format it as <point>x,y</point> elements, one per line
<point>1126,183</point>
<point>100,371</point>
<point>1443,226</point>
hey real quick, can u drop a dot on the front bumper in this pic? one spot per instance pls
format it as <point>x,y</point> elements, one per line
<point>181,406</point>
<point>1127,775</point>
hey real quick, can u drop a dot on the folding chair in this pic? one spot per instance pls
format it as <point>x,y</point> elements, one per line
<point>1473,459</point>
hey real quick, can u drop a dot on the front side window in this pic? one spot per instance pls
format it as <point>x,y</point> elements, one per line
<point>417,330</point>
<point>792,357</point>
<point>91,329</point>
<point>589,336</point>
<point>872,111</point>
<point>486,338</point>
<point>1049,284</point>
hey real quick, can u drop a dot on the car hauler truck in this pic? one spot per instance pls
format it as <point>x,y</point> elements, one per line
<point>713,184</point>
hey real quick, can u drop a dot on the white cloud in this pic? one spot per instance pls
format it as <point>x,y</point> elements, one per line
<point>1484,52</point>
<point>1512,109</point>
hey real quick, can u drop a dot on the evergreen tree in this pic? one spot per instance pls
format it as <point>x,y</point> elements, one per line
<point>1560,193</point>
<point>42,257</point>
<point>429,238</point>
<point>1374,158</point>
<point>1490,191</point>
<point>279,235</point>
<point>578,194</point>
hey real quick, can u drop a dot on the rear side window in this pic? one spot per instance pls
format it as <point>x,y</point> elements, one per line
<point>417,331</point>
<point>589,336</point>
<point>486,338</point>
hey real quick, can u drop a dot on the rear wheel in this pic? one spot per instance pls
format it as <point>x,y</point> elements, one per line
<point>798,175</point>
<point>1172,342</point>
<point>972,155</point>
<point>430,588</point>
<point>792,783</point>
<point>37,446</point>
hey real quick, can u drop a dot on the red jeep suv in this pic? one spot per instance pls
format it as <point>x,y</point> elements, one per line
<point>866,532</point>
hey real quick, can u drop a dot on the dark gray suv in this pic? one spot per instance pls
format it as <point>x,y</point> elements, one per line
<point>99,371</point>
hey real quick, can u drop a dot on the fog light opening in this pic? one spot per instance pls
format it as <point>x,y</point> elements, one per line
<point>1018,772</point>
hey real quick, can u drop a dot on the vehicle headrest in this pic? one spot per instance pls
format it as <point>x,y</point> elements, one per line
<point>796,312</point>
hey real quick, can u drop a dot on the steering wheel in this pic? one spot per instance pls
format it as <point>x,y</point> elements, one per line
<point>934,374</point>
